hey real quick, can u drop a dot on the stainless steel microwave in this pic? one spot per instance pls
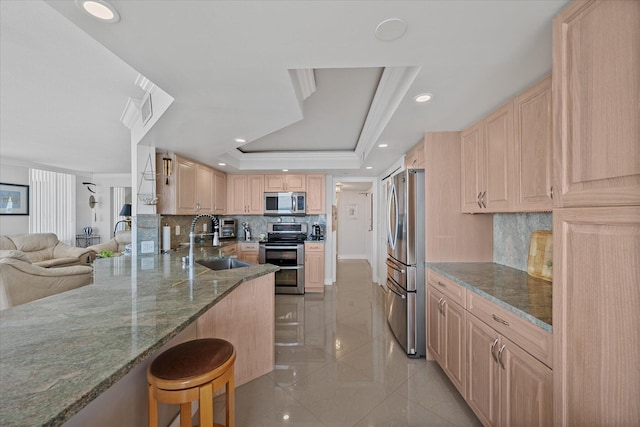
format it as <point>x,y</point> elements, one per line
<point>285,203</point>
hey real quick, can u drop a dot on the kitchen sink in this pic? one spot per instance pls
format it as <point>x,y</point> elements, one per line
<point>223,263</point>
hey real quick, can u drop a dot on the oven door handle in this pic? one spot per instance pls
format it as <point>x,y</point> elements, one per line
<point>296,267</point>
<point>281,247</point>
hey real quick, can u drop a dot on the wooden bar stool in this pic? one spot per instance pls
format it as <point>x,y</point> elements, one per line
<point>190,371</point>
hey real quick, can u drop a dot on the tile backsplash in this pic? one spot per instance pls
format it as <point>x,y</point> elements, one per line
<point>511,233</point>
<point>257,224</point>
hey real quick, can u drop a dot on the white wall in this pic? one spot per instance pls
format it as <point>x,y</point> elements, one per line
<point>354,237</point>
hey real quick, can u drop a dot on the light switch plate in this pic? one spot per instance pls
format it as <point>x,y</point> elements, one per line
<point>146,247</point>
<point>177,230</point>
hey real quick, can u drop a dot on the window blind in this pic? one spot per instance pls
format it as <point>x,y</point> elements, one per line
<point>53,204</point>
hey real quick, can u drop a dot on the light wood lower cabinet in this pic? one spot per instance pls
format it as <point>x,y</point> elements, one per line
<point>245,317</point>
<point>248,251</point>
<point>506,385</point>
<point>313,267</point>
<point>446,339</point>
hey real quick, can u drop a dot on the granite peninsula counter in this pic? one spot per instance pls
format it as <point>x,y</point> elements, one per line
<point>60,353</point>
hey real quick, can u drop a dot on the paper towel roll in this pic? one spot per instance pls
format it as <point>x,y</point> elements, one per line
<point>166,238</point>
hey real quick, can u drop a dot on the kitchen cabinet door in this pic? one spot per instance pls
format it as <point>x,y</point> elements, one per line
<point>248,251</point>
<point>204,189</point>
<point>596,316</point>
<point>315,195</point>
<point>219,192</point>
<point>483,375</point>
<point>236,194</point>
<point>532,167</point>
<point>526,387</point>
<point>292,182</point>
<point>454,331</point>
<point>498,143</point>
<point>471,173</point>
<point>313,267</point>
<point>596,97</point>
<point>186,178</point>
<point>415,157</point>
<point>255,194</point>
<point>435,344</point>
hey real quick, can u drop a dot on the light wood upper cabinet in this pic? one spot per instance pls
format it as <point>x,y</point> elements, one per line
<point>313,267</point>
<point>532,167</point>
<point>415,157</point>
<point>293,182</point>
<point>472,172</point>
<point>219,192</point>
<point>498,144</point>
<point>245,194</point>
<point>596,316</point>
<point>191,189</point>
<point>315,195</point>
<point>596,86</point>
<point>486,151</point>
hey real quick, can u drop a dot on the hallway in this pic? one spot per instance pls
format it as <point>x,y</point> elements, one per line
<point>337,365</point>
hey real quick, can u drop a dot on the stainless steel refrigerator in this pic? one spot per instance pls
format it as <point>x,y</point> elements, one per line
<point>405,286</point>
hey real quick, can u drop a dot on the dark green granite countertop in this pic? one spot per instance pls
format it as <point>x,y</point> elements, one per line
<point>59,353</point>
<point>514,290</point>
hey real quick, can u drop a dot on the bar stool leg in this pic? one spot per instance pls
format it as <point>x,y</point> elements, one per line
<point>185,414</point>
<point>206,405</point>
<point>230,400</point>
<point>153,408</point>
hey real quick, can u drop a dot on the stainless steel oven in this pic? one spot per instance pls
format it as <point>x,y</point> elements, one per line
<point>285,248</point>
<point>290,258</point>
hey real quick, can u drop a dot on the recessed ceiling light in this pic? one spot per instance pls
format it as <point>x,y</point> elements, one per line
<point>391,29</point>
<point>383,145</point>
<point>285,170</point>
<point>222,164</point>
<point>240,140</point>
<point>423,97</point>
<point>369,167</point>
<point>99,9</point>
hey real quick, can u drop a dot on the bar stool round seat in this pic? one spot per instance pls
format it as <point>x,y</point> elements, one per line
<point>192,371</point>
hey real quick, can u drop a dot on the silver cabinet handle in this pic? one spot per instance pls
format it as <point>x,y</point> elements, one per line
<point>442,284</point>
<point>444,313</point>
<point>493,346</point>
<point>499,320</point>
<point>478,199</point>
<point>551,193</point>
<point>484,195</point>
<point>500,355</point>
<point>440,304</point>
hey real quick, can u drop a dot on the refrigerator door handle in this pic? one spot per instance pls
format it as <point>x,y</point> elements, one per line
<point>391,288</point>
<point>393,266</point>
<point>393,202</point>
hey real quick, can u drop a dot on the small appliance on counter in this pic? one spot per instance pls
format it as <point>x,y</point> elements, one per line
<point>316,232</point>
<point>228,228</point>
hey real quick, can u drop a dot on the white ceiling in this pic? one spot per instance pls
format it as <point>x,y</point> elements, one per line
<point>65,77</point>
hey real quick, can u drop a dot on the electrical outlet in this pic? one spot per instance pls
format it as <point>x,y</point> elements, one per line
<point>177,230</point>
<point>146,247</point>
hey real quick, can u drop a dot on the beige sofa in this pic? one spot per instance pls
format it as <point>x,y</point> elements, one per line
<point>116,245</point>
<point>22,282</point>
<point>45,250</point>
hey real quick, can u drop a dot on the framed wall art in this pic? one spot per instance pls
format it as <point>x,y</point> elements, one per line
<point>14,199</point>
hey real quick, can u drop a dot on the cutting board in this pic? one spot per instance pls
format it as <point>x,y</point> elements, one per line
<point>540,259</point>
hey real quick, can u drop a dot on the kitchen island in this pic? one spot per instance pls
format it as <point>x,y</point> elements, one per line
<point>61,353</point>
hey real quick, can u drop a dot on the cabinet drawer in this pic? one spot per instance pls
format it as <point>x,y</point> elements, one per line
<point>449,288</point>
<point>230,249</point>
<point>248,247</point>
<point>314,246</point>
<point>530,337</point>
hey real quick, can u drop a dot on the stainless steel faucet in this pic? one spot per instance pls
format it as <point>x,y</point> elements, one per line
<point>192,233</point>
